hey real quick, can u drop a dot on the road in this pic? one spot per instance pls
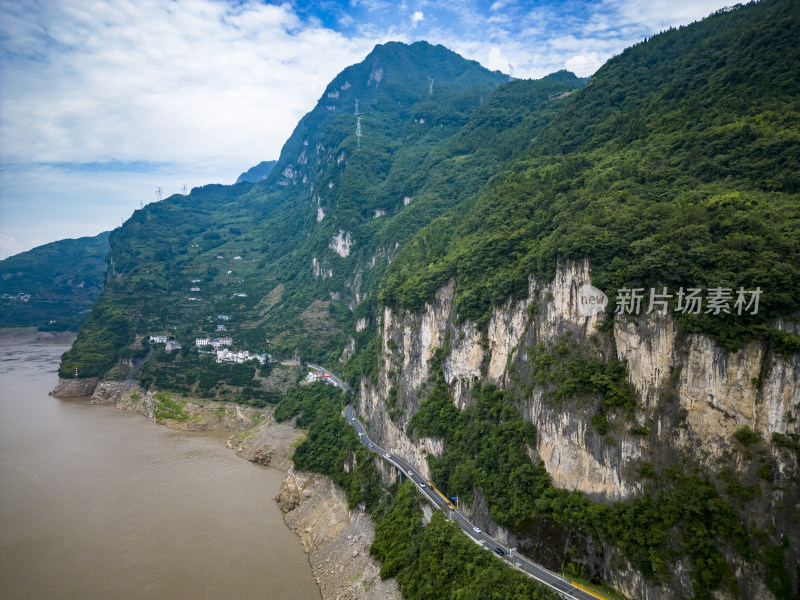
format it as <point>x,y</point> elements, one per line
<point>563,587</point>
<point>334,379</point>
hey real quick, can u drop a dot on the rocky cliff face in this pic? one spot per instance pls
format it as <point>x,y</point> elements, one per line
<point>74,388</point>
<point>336,539</point>
<point>693,395</point>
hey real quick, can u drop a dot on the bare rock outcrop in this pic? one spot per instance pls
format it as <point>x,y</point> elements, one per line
<point>336,539</point>
<point>269,443</point>
<point>74,388</point>
<point>107,392</point>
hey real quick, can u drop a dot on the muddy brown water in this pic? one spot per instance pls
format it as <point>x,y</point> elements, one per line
<point>99,503</point>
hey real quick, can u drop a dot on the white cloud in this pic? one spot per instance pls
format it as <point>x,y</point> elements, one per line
<point>657,15</point>
<point>499,5</point>
<point>8,246</point>
<point>203,86</point>
<point>190,80</point>
<point>584,65</point>
<point>204,89</point>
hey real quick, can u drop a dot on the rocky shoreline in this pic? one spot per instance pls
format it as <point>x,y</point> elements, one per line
<point>336,539</point>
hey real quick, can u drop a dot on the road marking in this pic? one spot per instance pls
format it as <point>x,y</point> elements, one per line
<point>589,590</point>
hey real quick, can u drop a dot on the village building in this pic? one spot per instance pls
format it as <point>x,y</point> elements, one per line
<point>240,356</point>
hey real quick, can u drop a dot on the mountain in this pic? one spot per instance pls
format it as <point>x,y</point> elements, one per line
<point>257,173</point>
<point>445,261</point>
<point>53,286</point>
<point>310,242</point>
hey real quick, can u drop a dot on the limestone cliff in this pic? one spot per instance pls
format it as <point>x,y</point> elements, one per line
<point>693,396</point>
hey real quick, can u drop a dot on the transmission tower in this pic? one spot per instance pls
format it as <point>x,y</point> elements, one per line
<point>358,132</point>
<point>159,196</point>
<point>430,86</point>
<point>356,106</point>
<point>510,71</point>
<point>184,189</point>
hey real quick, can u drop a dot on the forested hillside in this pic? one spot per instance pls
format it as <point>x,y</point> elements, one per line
<point>309,244</point>
<point>53,286</point>
<point>426,231</point>
<point>678,165</point>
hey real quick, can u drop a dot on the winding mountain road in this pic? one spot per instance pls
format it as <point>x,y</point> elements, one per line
<point>566,589</point>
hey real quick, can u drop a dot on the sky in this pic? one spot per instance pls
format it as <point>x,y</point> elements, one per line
<point>104,102</point>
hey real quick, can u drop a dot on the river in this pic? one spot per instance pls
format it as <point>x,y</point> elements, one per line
<point>99,503</point>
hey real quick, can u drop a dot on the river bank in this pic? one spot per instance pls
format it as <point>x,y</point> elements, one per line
<point>336,540</point>
<point>98,504</point>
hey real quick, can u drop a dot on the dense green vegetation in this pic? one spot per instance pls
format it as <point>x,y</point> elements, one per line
<point>437,561</point>
<point>420,155</point>
<point>486,447</point>
<point>566,374</point>
<point>188,372</point>
<point>63,280</point>
<point>331,442</point>
<point>101,339</point>
<point>676,166</point>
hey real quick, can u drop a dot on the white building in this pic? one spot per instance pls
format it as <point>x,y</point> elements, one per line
<point>218,342</point>
<point>158,339</point>
<point>200,342</point>
<point>229,356</point>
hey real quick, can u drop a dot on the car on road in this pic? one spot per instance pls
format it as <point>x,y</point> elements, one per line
<point>476,529</point>
<point>500,551</point>
<point>387,455</point>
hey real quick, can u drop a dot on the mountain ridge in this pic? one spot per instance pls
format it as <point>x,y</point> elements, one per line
<point>53,286</point>
<point>436,260</point>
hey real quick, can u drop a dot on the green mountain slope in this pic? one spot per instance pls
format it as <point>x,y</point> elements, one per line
<point>676,166</point>
<point>433,133</point>
<point>53,286</point>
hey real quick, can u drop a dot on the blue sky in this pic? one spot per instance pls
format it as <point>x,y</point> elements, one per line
<point>102,102</point>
